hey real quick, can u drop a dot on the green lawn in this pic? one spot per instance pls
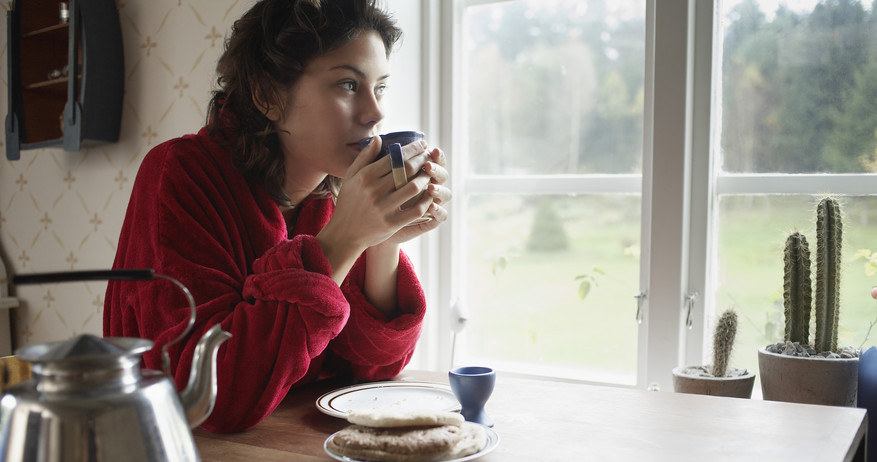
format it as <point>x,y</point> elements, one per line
<point>751,246</point>
<point>528,309</point>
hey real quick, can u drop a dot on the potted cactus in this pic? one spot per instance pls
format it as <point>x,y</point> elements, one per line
<point>796,370</point>
<point>717,379</point>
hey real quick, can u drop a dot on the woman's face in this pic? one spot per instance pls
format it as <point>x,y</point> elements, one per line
<point>335,104</point>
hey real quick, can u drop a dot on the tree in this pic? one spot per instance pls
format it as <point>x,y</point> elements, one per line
<point>797,89</point>
<point>852,144</point>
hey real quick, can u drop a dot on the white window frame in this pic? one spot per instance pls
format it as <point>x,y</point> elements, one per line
<point>674,330</point>
<point>679,183</point>
<point>665,233</point>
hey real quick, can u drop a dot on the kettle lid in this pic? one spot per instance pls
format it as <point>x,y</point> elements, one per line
<point>84,347</point>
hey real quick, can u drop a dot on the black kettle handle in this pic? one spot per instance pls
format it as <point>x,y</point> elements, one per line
<point>141,274</point>
<point>89,275</point>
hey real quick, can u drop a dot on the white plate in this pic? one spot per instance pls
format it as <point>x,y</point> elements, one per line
<point>388,395</point>
<point>492,443</point>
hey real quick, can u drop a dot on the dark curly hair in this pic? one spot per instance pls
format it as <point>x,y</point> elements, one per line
<point>265,55</point>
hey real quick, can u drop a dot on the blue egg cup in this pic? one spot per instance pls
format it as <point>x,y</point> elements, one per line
<point>473,385</point>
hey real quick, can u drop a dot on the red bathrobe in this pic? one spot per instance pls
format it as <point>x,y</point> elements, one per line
<point>193,216</point>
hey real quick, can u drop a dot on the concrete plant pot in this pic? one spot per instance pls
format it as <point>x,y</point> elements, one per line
<point>686,380</point>
<point>796,379</point>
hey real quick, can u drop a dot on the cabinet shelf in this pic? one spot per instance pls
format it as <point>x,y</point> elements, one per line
<point>60,27</point>
<point>47,83</point>
<point>81,108</point>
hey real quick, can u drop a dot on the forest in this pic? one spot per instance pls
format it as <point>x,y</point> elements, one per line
<point>552,90</point>
<point>800,91</point>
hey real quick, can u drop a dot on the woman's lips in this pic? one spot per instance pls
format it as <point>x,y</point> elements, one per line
<point>363,142</point>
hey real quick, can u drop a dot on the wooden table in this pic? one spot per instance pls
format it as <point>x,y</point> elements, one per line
<point>549,420</point>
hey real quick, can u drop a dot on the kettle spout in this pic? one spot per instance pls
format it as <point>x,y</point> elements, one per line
<point>200,394</point>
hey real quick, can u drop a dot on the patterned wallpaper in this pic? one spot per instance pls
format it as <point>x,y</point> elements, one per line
<point>64,210</point>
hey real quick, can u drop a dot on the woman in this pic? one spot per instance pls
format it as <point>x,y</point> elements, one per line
<point>250,214</point>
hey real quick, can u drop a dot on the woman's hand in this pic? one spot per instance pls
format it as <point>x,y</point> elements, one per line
<point>368,211</point>
<point>430,164</point>
<point>382,260</point>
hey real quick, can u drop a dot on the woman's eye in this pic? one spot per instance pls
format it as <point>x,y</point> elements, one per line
<point>348,85</point>
<point>380,90</point>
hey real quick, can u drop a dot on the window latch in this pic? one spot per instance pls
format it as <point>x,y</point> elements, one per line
<point>690,299</point>
<point>640,298</point>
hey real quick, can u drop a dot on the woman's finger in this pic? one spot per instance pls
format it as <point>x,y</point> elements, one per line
<point>438,156</point>
<point>440,194</point>
<point>438,173</point>
<point>365,157</point>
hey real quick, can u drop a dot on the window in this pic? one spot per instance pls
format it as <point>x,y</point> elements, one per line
<point>798,92</point>
<point>551,177</point>
<point>604,150</point>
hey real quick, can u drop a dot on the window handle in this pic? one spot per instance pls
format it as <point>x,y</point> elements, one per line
<point>459,318</point>
<point>690,299</point>
<point>640,298</point>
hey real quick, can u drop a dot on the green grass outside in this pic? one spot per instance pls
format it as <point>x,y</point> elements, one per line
<point>750,249</point>
<point>529,310</point>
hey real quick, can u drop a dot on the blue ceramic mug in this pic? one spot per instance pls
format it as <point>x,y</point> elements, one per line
<point>402,138</point>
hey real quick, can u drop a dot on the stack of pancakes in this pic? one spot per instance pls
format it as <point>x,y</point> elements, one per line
<point>409,436</point>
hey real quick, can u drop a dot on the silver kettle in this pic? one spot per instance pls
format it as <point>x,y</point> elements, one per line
<point>88,399</point>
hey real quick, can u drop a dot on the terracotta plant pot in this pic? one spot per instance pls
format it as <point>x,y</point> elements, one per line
<point>797,379</point>
<point>739,386</point>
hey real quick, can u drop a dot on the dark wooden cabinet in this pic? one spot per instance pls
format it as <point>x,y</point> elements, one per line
<point>66,79</point>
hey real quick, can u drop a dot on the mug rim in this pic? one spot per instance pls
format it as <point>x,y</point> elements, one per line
<point>401,138</point>
<point>468,371</point>
<point>414,133</point>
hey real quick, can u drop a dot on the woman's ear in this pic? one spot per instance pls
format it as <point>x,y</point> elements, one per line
<point>271,111</point>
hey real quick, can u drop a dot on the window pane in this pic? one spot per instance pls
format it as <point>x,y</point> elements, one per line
<point>799,86</point>
<point>554,86</point>
<point>751,237</point>
<point>526,311</point>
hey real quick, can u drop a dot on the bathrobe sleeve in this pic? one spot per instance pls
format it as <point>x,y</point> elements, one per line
<point>194,217</point>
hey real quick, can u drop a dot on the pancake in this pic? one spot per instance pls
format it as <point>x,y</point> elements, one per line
<point>403,444</point>
<point>474,439</point>
<point>407,436</point>
<point>378,418</point>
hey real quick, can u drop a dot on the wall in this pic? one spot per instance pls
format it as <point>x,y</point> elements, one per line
<point>64,210</point>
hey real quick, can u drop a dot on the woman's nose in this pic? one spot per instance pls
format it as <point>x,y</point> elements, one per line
<point>371,112</point>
